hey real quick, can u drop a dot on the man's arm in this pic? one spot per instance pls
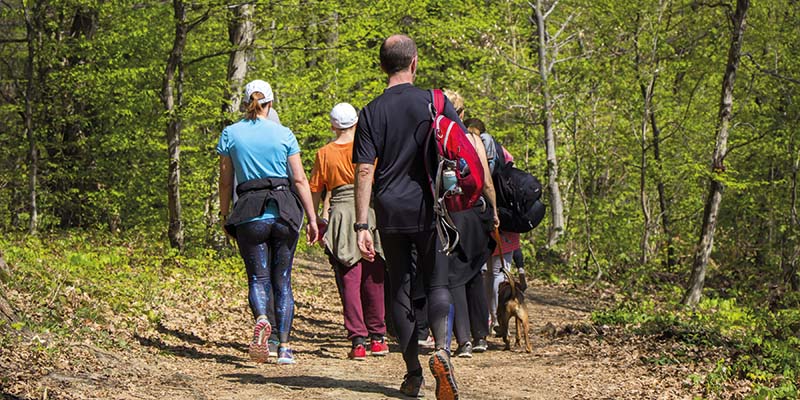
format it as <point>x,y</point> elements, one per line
<point>364,176</point>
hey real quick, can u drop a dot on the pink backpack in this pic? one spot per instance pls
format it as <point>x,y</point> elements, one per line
<point>457,180</point>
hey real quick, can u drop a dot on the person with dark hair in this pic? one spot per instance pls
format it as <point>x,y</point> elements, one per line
<point>393,129</point>
<point>267,217</point>
<point>360,282</point>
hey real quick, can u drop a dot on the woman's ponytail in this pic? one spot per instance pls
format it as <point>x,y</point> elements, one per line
<point>254,108</point>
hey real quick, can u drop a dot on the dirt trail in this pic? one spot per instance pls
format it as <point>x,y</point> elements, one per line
<point>198,351</point>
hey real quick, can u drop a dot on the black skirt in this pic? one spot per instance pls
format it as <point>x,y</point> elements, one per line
<point>474,246</point>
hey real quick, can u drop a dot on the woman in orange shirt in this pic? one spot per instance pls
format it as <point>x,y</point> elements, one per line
<point>360,282</point>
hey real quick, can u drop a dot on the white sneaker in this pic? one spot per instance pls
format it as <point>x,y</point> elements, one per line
<point>428,343</point>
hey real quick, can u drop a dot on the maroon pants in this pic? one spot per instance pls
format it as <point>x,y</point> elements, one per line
<point>361,290</point>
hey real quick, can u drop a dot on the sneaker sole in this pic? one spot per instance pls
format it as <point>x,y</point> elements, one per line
<point>443,374</point>
<point>379,353</point>
<point>259,349</point>
<point>464,355</point>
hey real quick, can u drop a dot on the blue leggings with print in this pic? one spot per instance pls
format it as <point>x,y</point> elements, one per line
<point>267,248</point>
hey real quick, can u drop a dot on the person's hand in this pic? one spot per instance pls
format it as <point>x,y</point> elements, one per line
<point>496,219</point>
<point>322,227</point>
<point>366,245</point>
<point>223,219</point>
<point>312,232</point>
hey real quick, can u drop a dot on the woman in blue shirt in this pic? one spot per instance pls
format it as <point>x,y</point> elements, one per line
<point>268,214</point>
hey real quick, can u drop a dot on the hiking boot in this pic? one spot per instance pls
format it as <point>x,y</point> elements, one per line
<point>259,349</point>
<point>358,353</point>
<point>285,356</point>
<point>378,347</point>
<point>412,385</point>
<point>442,371</point>
<point>464,350</point>
<point>427,344</point>
<point>480,346</point>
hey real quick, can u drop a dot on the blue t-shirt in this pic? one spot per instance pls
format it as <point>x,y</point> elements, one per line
<point>258,149</point>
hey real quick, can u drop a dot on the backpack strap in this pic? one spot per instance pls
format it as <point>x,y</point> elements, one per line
<point>442,218</point>
<point>438,101</point>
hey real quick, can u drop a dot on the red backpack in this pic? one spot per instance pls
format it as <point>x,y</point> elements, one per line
<point>457,181</point>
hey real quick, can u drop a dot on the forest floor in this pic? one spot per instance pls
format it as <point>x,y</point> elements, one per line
<point>196,349</point>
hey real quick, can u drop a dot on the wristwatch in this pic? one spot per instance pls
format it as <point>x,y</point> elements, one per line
<point>360,227</point>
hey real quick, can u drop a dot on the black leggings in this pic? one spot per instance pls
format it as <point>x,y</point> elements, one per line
<point>398,250</point>
<point>471,310</point>
<point>267,248</point>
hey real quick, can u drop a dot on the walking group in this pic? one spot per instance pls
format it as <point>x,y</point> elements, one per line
<point>408,225</point>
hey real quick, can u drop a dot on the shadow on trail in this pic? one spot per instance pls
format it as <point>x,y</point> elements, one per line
<point>194,339</point>
<point>190,352</point>
<point>322,323</point>
<point>321,382</point>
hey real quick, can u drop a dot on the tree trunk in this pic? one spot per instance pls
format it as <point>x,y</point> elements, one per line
<point>666,225</point>
<point>242,34</point>
<point>647,93</point>
<point>790,275</point>
<point>33,156</point>
<point>711,211</point>
<point>171,96</point>
<point>6,312</point>
<point>554,192</point>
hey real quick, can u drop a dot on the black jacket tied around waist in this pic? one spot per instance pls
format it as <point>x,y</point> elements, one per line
<point>254,196</point>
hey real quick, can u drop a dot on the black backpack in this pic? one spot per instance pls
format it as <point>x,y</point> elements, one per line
<point>519,193</point>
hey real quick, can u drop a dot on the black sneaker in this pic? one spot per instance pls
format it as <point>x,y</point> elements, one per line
<point>442,371</point>
<point>480,346</point>
<point>464,350</point>
<point>412,385</point>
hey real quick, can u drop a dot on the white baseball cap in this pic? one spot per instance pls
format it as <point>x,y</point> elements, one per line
<point>343,116</point>
<point>258,86</point>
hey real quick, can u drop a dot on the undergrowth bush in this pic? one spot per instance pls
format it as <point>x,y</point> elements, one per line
<point>740,341</point>
<point>73,284</point>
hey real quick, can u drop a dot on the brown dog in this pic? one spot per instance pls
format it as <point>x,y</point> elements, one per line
<point>511,304</point>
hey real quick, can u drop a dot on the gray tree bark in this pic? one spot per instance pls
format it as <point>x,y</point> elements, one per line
<point>554,192</point>
<point>242,35</point>
<point>33,155</point>
<point>171,96</point>
<point>711,211</point>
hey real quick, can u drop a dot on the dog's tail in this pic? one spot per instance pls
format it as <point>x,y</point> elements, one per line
<point>504,267</point>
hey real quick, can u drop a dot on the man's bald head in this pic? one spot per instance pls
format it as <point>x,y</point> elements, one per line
<point>396,53</point>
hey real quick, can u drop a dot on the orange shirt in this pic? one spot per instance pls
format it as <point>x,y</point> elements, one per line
<point>333,167</point>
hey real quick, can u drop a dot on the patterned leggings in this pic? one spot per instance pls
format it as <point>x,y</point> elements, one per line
<point>267,248</point>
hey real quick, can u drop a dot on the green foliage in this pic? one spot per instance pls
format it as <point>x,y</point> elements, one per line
<point>78,283</point>
<point>99,135</point>
<point>734,341</point>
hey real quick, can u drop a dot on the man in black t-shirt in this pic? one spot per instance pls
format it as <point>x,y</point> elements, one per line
<point>393,129</point>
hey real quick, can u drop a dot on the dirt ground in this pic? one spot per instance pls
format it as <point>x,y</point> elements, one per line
<point>198,351</point>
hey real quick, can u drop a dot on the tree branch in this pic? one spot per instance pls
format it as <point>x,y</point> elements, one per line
<point>735,146</point>
<point>553,7</point>
<point>772,73</point>
<point>199,20</point>
<point>563,26</point>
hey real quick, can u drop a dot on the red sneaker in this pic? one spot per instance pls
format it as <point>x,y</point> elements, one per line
<point>358,353</point>
<point>378,347</point>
